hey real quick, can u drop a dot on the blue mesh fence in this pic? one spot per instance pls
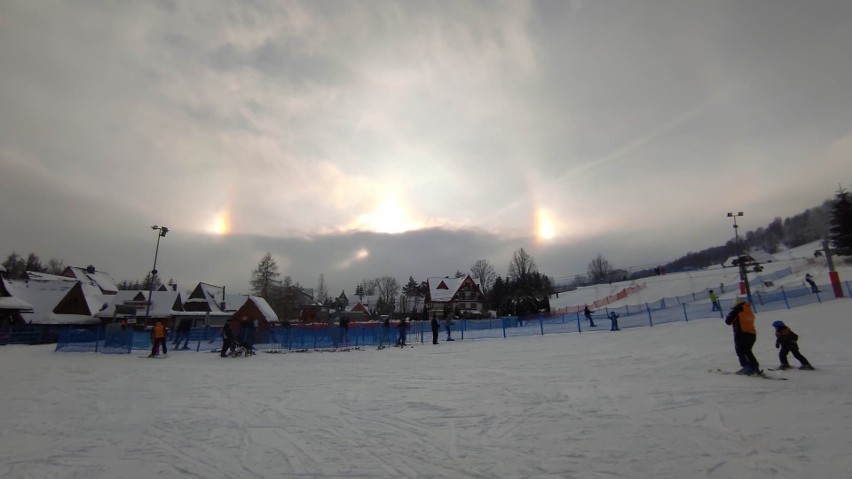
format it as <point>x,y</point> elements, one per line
<point>361,335</point>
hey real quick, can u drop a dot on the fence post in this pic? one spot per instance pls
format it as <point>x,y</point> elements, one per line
<point>784,294</point>
<point>503,325</point>
<point>685,317</point>
<point>541,324</point>
<point>650,319</point>
<point>579,327</point>
<point>97,338</point>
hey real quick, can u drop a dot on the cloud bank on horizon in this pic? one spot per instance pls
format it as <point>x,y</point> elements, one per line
<point>561,127</point>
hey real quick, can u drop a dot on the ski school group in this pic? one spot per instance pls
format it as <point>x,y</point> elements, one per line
<point>741,319</point>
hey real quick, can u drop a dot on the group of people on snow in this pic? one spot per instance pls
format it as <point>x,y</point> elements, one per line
<point>741,319</point>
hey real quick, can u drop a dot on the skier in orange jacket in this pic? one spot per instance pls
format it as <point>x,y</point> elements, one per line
<point>741,318</point>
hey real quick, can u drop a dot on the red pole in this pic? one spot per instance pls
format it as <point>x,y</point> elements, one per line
<point>835,284</point>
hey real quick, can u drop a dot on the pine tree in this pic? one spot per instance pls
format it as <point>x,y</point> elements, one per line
<point>265,276</point>
<point>15,266</point>
<point>322,290</point>
<point>840,229</point>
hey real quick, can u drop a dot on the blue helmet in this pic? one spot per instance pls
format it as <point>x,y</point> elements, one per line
<point>778,324</point>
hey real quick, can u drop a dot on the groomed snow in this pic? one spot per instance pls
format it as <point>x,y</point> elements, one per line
<point>636,403</point>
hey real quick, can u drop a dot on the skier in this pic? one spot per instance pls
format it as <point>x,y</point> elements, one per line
<point>158,338</point>
<point>810,280</point>
<point>715,301</point>
<point>741,318</point>
<point>588,313</point>
<point>403,327</point>
<point>436,329</point>
<point>384,334</point>
<point>344,332</point>
<point>227,340</point>
<point>787,341</point>
<point>182,333</point>
<point>614,318</point>
<point>448,323</point>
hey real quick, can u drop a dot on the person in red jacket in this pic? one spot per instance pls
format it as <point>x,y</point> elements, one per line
<point>787,341</point>
<point>741,318</point>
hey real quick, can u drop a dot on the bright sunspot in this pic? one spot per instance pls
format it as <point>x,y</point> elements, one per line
<point>221,224</point>
<point>389,217</point>
<point>545,229</point>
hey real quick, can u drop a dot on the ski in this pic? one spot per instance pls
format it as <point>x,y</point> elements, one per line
<point>760,375</point>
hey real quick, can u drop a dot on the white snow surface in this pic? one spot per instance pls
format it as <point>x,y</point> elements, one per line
<point>638,403</point>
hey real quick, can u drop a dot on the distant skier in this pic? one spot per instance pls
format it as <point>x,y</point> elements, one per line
<point>384,334</point>
<point>715,301</point>
<point>436,329</point>
<point>448,323</point>
<point>588,313</point>
<point>614,318</point>
<point>810,280</point>
<point>403,330</point>
<point>741,318</point>
<point>787,341</point>
<point>227,340</point>
<point>182,333</point>
<point>344,332</point>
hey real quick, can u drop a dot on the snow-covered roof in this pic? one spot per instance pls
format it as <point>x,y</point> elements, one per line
<point>162,303</point>
<point>442,290</point>
<point>102,279</point>
<point>11,302</point>
<point>38,276</point>
<point>45,296</point>
<point>264,308</point>
<point>213,297</point>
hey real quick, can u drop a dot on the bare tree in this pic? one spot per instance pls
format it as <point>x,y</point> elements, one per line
<point>387,288</point>
<point>484,273</point>
<point>521,266</point>
<point>599,269</point>
<point>55,266</point>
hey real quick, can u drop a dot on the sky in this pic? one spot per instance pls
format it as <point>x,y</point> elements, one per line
<point>365,139</point>
<point>640,402</point>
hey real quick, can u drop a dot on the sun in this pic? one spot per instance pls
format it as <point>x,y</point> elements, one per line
<point>545,229</point>
<point>221,224</point>
<point>389,217</point>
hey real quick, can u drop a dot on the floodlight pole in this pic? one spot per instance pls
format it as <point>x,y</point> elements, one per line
<point>161,233</point>
<point>740,262</point>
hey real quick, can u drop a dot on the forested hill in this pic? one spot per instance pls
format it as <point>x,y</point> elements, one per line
<point>808,226</point>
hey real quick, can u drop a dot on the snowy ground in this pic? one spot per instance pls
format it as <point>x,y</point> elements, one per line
<point>633,404</point>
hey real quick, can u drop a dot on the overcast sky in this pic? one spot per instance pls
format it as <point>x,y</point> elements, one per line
<point>362,139</point>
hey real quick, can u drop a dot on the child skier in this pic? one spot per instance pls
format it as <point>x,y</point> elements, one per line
<point>786,340</point>
<point>614,318</point>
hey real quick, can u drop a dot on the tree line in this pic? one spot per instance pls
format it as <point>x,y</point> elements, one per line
<point>524,290</point>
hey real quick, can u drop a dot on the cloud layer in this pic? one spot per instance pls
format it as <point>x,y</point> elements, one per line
<point>313,130</point>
